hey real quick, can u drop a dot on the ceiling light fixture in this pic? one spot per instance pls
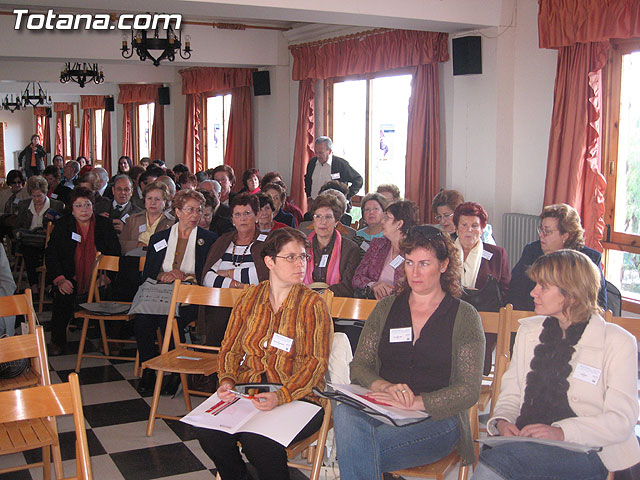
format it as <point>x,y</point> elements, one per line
<point>88,72</point>
<point>143,42</point>
<point>13,104</point>
<point>35,98</point>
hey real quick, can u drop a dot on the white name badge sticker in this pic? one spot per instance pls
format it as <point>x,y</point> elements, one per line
<point>323,261</point>
<point>76,237</point>
<point>396,262</point>
<point>161,245</point>
<point>398,335</point>
<point>142,228</point>
<point>281,342</point>
<point>262,237</point>
<point>54,195</point>
<point>16,200</point>
<point>335,176</point>
<point>124,218</point>
<point>364,246</point>
<point>487,255</point>
<point>587,374</point>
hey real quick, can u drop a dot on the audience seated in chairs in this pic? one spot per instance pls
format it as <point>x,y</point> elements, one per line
<point>287,206</point>
<point>380,271</point>
<point>32,219</point>
<point>280,304</point>
<point>120,209</point>
<point>559,228</point>
<point>56,191</point>
<point>436,367</point>
<point>176,253</point>
<point>333,258</point>
<point>218,214</point>
<point>389,191</point>
<point>278,194</point>
<point>224,175</point>
<point>250,181</point>
<point>266,222</point>
<point>373,206</point>
<point>69,257</point>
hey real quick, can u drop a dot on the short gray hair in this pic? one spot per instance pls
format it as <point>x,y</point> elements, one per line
<point>102,173</point>
<point>75,165</point>
<point>120,176</point>
<point>326,140</point>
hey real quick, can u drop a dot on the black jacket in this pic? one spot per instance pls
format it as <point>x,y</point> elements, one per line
<point>61,193</point>
<point>24,159</point>
<point>60,254</point>
<point>221,221</point>
<point>338,166</point>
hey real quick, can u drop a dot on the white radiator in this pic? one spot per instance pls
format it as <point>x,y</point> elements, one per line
<point>518,229</point>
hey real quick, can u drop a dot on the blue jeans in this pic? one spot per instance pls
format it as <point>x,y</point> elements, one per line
<point>533,461</point>
<point>368,447</point>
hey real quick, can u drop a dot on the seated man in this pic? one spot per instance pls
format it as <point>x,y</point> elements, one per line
<point>121,207</point>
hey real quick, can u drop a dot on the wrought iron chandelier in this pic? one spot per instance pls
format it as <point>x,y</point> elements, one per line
<point>35,98</point>
<point>88,72</point>
<point>12,105</point>
<point>143,42</point>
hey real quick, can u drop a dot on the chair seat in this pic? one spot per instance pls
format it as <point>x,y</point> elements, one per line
<point>25,379</point>
<point>26,435</point>
<point>433,470</point>
<point>183,360</point>
<point>95,316</point>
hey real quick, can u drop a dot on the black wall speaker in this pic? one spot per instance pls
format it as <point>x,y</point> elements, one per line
<point>261,85</point>
<point>467,55</point>
<point>49,113</point>
<point>163,96</point>
<point>108,104</point>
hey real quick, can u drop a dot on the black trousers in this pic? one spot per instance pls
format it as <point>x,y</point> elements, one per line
<point>61,312</point>
<point>266,455</point>
<point>145,327</point>
<point>32,260</point>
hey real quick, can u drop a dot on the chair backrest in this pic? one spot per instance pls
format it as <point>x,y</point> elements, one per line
<point>614,299</point>
<point>51,401</point>
<point>48,234</point>
<point>31,346</point>
<point>352,308</point>
<point>106,263</point>
<point>631,325</point>
<point>19,305</point>
<point>513,323</point>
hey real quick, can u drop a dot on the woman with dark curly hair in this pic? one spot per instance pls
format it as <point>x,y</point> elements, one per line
<point>419,350</point>
<point>250,181</point>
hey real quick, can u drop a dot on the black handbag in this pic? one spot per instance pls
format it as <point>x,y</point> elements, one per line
<point>486,299</point>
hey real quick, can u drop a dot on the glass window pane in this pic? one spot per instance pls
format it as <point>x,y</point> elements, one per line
<point>145,123</point>
<point>67,131</point>
<point>623,270</point>
<point>216,131</point>
<point>97,122</point>
<point>388,130</point>
<point>627,206</point>
<point>349,123</point>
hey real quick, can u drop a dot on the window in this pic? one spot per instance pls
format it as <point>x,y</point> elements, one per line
<point>215,125</point>
<point>96,129</point>
<point>144,124</point>
<point>622,170</point>
<point>367,121</point>
<point>67,125</point>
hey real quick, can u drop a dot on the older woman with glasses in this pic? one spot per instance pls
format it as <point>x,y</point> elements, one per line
<point>373,205</point>
<point>177,253</point>
<point>421,349</point>
<point>559,228</point>
<point>75,240</point>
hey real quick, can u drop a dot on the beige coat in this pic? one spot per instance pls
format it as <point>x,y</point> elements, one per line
<point>607,411</point>
<point>131,229</point>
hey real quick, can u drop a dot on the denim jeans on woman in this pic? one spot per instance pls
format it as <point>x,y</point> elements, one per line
<point>534,461</point>
<point>368,447</point>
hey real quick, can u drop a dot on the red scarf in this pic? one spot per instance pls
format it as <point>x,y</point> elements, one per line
<point>85,256</point>
<point>333,268</point>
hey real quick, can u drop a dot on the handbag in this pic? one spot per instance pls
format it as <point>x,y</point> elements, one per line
<point>153,298</point>
<point>32,238</point>
<point>486,299</point>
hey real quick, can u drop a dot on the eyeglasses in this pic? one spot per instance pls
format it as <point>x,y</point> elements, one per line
<point>326,218</point>
<point>83,205</point>
<point>545,232</point>
<point>303,257</point>
<point>192,210</point>
<point>123,190</point>
<point>440,217</point>
<point>246,214</point>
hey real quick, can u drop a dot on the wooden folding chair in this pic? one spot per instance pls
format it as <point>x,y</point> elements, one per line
<point>22,305</point>
<point>511,326</point>
<point>104,263</point>
<point>27,422</point>
<point>19,265</point>
<point>186,358</point>
<point>493,322</point>
<point>42,270</point>
<point>352,308</point>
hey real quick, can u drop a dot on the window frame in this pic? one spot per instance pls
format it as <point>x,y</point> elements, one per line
<point>136,131</point>
<point>614,240</point>
<point>66,135</point>
<point>204,137</point>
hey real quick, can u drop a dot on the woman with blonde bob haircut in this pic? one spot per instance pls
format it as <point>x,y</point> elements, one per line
<point>572,378</point>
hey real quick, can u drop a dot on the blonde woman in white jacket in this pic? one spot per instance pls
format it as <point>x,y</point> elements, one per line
<point>572,378</point>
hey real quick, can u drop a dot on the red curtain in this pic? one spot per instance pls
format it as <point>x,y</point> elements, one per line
<point>84,149</point>
<point>59,148</point>
<point>573,164</point>
<point>41,116</point>
<point>127,134</point>
<point>157,132</point>
<point>106,141</point>
<point>563,23</point>
<point>46,141</point>
<point>422,167</point>
<point>239,152</point>
<point>61,109</point>
<point>131,95</point>
<point>303,149</point>
<point>192,157</point>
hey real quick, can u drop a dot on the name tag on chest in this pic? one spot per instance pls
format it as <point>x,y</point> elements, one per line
<point>323,261</point>
<point>335,176</point>
<point>586,373</point>
<point>161,245</point>
<point>281,342</point>
<point>487,255</point>
<point>142,228</point>
<point>76,237</point>
<point>399,335</point>
<point>364,246</point>
<point>396,262</point>
<point>262,237</point>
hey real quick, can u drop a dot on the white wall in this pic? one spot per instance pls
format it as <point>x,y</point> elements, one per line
<point>20,127</point>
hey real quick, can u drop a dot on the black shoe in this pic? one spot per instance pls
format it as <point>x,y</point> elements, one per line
<point>170,384</point>
<point>147,382</point>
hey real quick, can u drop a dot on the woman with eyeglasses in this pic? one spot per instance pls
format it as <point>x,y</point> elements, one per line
<point>333,259</point>
<point>234,261</point>
<point>444,204</point>
<point>177,253</point>
<point>559,228</point>
<point>281,304</point>
<point>373,205</point>
<point>380,271</point>
<point>421,349</point>
<point>75,240</point>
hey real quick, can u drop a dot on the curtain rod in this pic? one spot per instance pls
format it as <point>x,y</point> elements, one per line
<point>352,36</point>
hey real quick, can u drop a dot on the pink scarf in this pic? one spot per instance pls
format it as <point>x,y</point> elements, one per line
<point>333,269</point>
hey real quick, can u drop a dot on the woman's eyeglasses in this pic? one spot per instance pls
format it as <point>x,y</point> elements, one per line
<point>303,257</point>
<point>440,217</point>
<point>246,214</point>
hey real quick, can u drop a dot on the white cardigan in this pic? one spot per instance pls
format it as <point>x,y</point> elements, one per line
<point>607,411</point>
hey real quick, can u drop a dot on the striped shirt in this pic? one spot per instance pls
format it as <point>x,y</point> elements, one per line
<point>303,317</point>
<point>237,258</point>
